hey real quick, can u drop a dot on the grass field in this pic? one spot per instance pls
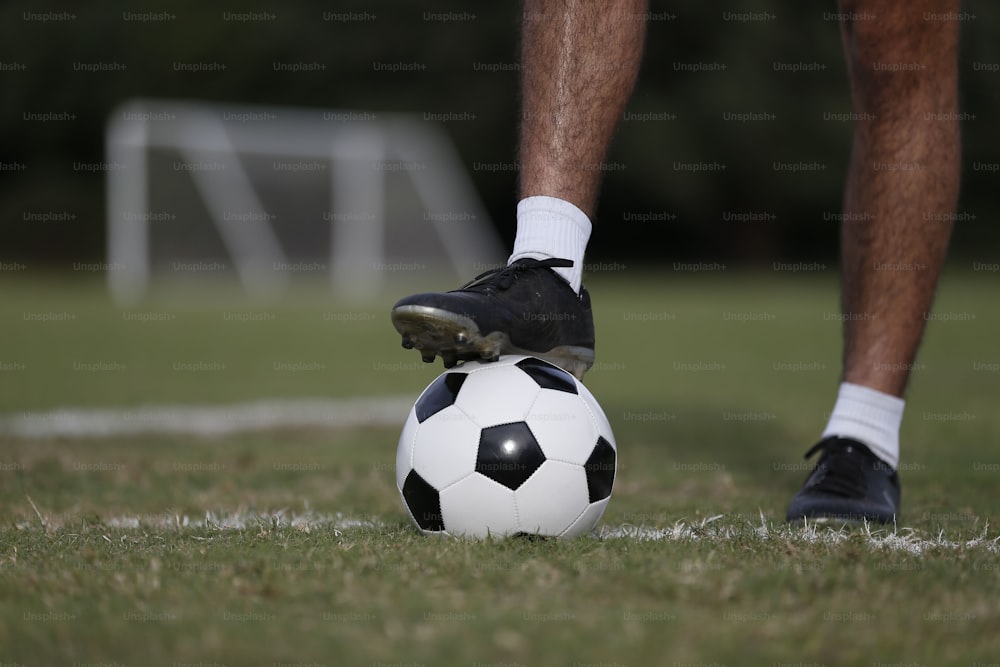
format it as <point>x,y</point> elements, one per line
<point>289,546</point>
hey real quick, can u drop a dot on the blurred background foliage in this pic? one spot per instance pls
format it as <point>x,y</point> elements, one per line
<point>469,70</point>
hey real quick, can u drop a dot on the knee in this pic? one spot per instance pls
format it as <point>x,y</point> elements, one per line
<point>896,48</point>
<point>892,31</point>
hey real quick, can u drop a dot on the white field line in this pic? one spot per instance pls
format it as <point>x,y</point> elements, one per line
<point>306,521</point>
<point>210,420</point>
<point>216,521</point>
<point>715,529</point>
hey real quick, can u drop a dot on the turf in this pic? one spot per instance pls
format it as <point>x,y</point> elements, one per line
<point>291,546</point>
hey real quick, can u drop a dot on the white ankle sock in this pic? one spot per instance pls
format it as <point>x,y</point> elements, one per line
<point>870,417</point>
<point>551,227</point>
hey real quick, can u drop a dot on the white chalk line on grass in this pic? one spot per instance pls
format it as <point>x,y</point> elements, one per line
<point>210,420</point>
<point>242,520</point>
<point>714,529</point>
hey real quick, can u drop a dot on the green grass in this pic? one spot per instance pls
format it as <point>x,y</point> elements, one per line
<point>296,550</point>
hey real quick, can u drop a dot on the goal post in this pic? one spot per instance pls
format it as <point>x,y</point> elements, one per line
<point>266,195</point>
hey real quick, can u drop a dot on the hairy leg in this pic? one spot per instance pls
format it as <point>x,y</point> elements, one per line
<point>902,186</point>
<point>580,59</point>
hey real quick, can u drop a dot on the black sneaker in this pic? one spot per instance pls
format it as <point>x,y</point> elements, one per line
<point>849,483</point>
<point>524,308</point>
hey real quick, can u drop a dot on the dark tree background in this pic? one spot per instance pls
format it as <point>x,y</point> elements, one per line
<point>776,62</point>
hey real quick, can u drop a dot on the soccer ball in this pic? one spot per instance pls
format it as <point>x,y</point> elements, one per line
<point>500,448</point>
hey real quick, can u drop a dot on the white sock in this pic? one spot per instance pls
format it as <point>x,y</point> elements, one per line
<point>550,227</point>
<point>870,417</point>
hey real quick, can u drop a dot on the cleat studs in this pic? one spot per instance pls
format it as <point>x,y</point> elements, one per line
<point>427,358</point>
<point>461,338</point>
<point>407,343</point>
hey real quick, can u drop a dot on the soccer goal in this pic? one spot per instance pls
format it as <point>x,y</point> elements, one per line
<point>267,196</point>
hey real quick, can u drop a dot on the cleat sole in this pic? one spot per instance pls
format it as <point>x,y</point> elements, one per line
<point>456,338</point>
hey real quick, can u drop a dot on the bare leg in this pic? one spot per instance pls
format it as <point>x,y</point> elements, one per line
<point>580,59</point>
<point>902,186</point>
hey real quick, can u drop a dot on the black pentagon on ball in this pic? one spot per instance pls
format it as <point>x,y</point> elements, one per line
<point>508,454</point>
<point>548,376</point>
<point>440,394</point>
<point>600,467</point>
<point>423,501</point>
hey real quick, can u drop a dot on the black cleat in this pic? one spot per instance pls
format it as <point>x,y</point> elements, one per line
<point>524,308</point>
<point>848,484</point>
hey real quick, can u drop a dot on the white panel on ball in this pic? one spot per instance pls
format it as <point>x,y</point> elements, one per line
<point>445,449</point>
<point>477,507</point>
<point>588,520</point>
<point>501,395</point>
<point>404,452</point>
<point>563,430</point>
<point>551,500</point>
<point>603,426</point>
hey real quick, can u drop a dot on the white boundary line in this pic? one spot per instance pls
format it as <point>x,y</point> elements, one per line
<point>714,529</point>
<point>210,420</point>
<point>878,537</point>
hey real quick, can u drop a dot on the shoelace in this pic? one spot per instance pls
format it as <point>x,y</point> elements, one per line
<point>838,472</point>
<point>505,277</point>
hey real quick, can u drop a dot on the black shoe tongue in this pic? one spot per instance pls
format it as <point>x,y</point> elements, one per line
<point>843,472</point>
